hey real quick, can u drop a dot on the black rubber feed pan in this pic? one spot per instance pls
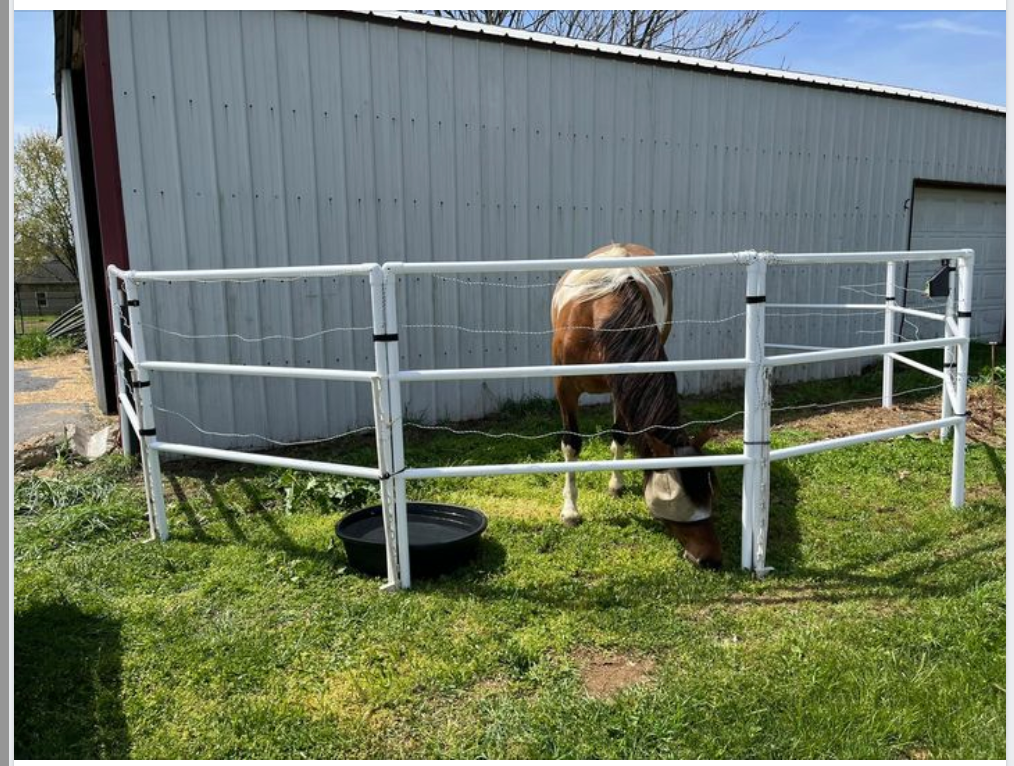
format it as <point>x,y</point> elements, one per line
<point>441,538</point>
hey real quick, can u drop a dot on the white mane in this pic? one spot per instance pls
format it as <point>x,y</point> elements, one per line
<point>589,284</point>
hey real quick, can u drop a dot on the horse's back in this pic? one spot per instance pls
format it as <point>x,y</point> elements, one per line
<point>588,285</point>
<point>586,299</point>
<point>624,250</point>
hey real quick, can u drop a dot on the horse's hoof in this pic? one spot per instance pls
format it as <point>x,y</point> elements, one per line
<point>711,564</point>
<point>617,492</point>
<point>571,521</point>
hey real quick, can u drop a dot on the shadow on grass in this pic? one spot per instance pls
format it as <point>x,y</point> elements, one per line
<point>438,449</point>
<point>901,573</point>
<point>67,667</point>
<point>912,568</point>
<point>783,536</point>
<point>783,528</point>
<point>228,513</point>
<point>998,467</point>
<point>490,560</point>
<point>886,574</point>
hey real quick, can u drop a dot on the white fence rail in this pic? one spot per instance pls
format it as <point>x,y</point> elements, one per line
<point>134,374</point>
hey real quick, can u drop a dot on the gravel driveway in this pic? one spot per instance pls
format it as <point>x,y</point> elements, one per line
<point>54,391</point>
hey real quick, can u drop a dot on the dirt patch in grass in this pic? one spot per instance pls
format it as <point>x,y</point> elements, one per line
<point>981,403</point>
<point>855,420</point>
<point>606,674</point>
<point>788,599</point>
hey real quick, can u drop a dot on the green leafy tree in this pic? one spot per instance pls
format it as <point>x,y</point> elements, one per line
<point>42,223</point>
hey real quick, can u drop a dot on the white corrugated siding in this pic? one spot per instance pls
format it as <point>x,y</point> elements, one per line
<point>283,138</point>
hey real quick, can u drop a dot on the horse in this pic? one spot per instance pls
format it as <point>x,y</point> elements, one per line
<point>625,315</point>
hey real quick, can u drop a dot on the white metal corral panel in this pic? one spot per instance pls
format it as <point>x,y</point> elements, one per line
<point>281,138</point>
<point>975,218</point>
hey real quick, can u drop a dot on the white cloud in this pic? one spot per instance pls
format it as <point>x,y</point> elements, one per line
<point>953,27</point>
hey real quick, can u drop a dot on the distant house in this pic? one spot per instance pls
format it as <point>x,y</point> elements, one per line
<point>49,289</point>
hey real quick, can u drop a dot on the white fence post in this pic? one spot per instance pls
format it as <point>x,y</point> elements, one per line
<point>763,505</point>
<point>890,301</point>
<point>397,422</point>
<point>116,307</point>
<point>382,426</point>
<point>946,406</point>
<point>964,274</point>
<point>763,508</point>
<point>753,404</point>
<point>151,463</point>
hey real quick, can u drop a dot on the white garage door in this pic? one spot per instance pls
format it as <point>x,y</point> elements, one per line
<point>953,218</point>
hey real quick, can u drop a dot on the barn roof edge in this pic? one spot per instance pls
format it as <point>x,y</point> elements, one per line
<point>659,57</point>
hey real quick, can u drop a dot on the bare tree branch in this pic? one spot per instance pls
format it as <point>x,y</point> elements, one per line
<point>719,35</point>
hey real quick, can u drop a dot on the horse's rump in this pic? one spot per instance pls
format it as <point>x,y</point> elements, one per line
<point>588,285</point>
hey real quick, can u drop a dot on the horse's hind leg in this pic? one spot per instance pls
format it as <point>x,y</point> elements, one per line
<point>617,448</point>
<point>567,395</point>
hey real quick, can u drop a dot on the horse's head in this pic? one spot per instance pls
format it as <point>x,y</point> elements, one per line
<point>682,499</point>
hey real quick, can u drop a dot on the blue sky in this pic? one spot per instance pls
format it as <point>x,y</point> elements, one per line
<point>956,53</point>
<point>34,105</point>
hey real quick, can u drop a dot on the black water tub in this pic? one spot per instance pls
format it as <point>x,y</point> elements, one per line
<point>441,538</point>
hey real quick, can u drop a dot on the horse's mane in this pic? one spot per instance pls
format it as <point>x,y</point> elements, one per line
<point>591,284</point>
<point>629,334</point>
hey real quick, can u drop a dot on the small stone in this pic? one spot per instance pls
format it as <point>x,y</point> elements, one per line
<point>92,445</point>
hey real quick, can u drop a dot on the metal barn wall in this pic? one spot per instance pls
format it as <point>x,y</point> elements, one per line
<point>263,138</point>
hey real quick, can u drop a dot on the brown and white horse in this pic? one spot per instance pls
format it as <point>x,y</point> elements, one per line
<point>624,315</point>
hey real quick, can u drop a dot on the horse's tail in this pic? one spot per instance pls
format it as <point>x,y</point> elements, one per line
<point>644,400</point>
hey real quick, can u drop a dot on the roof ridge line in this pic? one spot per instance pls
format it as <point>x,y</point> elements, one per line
<point>784,75</point>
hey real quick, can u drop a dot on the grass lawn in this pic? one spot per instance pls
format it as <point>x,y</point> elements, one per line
<point>880,633</point>
<point>36,344</point>
<point>33,323</point>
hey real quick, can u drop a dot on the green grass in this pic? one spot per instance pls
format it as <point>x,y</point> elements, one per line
<point>35,345</point>
<point>880,633</point>
<point>34,323</point>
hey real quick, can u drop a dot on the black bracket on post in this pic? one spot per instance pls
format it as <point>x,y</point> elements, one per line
<point>938,286</point>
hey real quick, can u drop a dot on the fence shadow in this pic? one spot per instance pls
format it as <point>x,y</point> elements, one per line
<point>998,467</point>
<point>228,512</point>
<point>67,685</point>
<point>429,448</point>
<point>876,576</point>
<point>892,574</point>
